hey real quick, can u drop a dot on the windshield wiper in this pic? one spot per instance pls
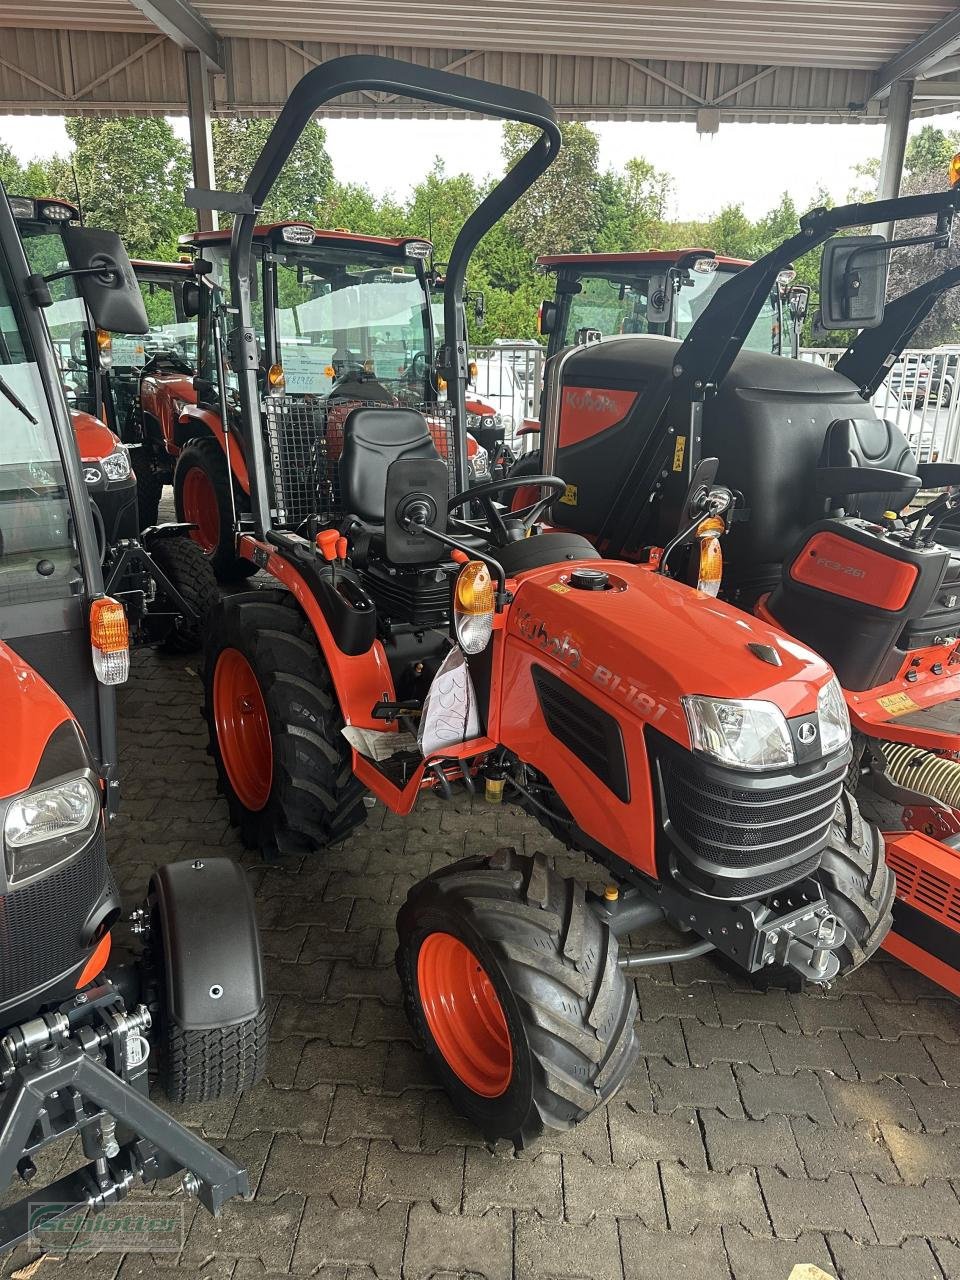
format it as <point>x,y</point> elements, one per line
<point>15,400</point>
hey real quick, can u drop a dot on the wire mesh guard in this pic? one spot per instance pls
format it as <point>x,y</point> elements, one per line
<point>305,443</point>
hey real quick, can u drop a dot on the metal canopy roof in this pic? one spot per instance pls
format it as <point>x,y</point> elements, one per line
<point>707,60</point>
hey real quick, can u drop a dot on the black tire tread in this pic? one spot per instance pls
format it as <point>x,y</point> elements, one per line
<point>190,572</point>
<point>203,1066</point>
<point>205,452</point>
<point>560,961</point>
<point>315,799</point>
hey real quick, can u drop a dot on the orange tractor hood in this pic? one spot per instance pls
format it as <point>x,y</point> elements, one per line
<point>648,640</point>
<point>29,713</point>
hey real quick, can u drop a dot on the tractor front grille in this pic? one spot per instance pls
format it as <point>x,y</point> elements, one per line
<point>304,445</point>
<point>41,924</point>
<point>738,841</point>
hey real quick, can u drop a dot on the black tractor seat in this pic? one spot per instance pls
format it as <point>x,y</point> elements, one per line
<point>543,549</point>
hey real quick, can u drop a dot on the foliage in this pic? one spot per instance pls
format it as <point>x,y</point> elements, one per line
<point>305,182</point>
<point>131,174</point>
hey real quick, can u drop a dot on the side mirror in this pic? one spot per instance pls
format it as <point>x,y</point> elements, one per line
<point>416,496</point>
<point>547,317</point>
<point>105,279</point>
<point>479,304</point>
<point>659,299</point>
<point>853,282</point>
<point>190,301</point>
<point>798,300</point>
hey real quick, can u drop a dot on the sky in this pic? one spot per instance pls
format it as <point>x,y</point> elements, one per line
<point>752,164</point>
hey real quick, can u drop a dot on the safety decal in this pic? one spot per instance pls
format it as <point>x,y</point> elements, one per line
<point>570,496</point>
<point>678,451</point>
<point>898,704</point>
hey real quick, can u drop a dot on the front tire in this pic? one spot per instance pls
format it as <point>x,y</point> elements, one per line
<point>512,984</point>
<point>202,496</point>
<point>858,888</point>
<point>190,572</point>
<point>275,727</point>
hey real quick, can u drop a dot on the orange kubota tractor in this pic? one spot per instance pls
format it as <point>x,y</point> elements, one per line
<point>342,314</point>
<point>698,754</point>
<point>816,543</point>
<point>90,1006</point>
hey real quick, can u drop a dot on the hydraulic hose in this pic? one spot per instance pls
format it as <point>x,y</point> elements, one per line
<point>920,770</point>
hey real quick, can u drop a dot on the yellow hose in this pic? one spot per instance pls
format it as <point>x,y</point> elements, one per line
<point>923,771</point>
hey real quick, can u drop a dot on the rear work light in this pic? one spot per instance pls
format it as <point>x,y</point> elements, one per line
<point>109,640</point>
<point>53,211</point>
<point>705,265</point>
<point>21,207</point>
<point>298,234</point>
<point>418,248</point>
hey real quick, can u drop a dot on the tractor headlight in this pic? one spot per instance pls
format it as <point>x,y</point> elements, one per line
<point>473,607</point>
<point>116,465</point>
<point>48,825</point>
<point>473,421</point>
<point>489,420</point>
<point>741,733</point>
<point>833,716</point>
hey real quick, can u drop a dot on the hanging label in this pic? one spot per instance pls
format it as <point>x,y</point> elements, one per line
<point>678,451</point>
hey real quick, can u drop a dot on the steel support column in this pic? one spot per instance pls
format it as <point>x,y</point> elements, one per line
<point>894,147</point>
<point>201,134</point>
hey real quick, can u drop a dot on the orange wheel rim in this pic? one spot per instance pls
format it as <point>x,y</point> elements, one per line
<point>525,497</point>
<point>200,508</point>
<point>243,730</point>
<point>464,1014</point>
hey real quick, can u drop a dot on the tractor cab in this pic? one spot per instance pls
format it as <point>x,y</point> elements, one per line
<point>162,580</point>
<point>86,1011</point>
<point>599,295</point>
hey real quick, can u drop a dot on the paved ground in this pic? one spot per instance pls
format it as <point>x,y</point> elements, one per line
<point>757,1132</point>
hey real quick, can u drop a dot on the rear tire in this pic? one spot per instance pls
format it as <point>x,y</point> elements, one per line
<point>190,572</point>
<point>548,1035</point>
<point>275,727</point>
<point>201,494</point>
<point>859,889</point>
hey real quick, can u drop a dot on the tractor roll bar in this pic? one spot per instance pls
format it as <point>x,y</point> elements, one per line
<point>715,340</point>
<point>348,75</point>
<point>873,352</point>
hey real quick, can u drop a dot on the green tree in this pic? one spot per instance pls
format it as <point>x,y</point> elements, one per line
<point>559,213</point>
<point>732,233</point>
<point>131,175</point>
<point>303,187</point>
<point>10,171</point>
<point>929,152</point>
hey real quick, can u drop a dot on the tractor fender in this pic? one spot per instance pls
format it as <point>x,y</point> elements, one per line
<point>198,422</point>
<point>213,965</point>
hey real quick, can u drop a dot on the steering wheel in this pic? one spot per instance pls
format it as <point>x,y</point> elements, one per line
<point>416,370</point>
<point>168,361</point>
<point>503,532</point>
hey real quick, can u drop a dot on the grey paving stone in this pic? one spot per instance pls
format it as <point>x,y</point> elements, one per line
<point>675,1087</point>
<point>752,1258</point>
<point>663,1038</point>
<point>937,1016</point>
<point>885,1059</point>
<point>501,1181</point>
<point>897,1212</point>
<point>268,1110</point>
<point>649,1255</point>
<point>773,1095</point>
<point>374,1115</point>
<point>353,1237</point>
<point>435,1177</point>
<point>295,1165</point>
<point>262,1230</point>
<point>769,1007</point>
<point>707,1045</point>
<point>735,1144</point>
<point>858,1149</point>
<point>643,1135</point>
<point>705,1199</point>
<point>806,1204</point>
<point>946,1056</point>
<point>856,1102</point>
<point>663,1000</point>
<point>554,1250</point>
<point>323,1063</point>
<point>440,1243</point>
<point>938,1105</point>
<point>823,1051</point>
<point>618,1191</point>
<point>913,1260</point>
<point>920,1156</point>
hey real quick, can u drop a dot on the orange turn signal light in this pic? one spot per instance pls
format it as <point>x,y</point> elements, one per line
<point>276,379</point>
<point>953,173</point>
<point>108,626</point>
<point>710,571</point>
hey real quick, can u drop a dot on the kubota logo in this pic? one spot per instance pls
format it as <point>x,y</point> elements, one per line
<point>850,570</point>
<point>561,647</point>
<point>590,401</point>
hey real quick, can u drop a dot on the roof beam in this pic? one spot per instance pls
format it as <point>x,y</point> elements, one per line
<point>181,23</point>
<point>936,43</point>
